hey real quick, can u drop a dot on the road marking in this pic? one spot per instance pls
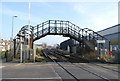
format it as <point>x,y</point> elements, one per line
<point>35,78</point>
<point>29,63</point>
<point>55,72</point>
<point>2,67</point>
<point>18,64</point>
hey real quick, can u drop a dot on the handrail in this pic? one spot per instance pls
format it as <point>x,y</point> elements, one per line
<point>67,23</point>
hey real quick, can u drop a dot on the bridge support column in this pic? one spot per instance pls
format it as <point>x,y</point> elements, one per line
<point>31,37</point>
<point>14,48</point>
<point>31,43</point>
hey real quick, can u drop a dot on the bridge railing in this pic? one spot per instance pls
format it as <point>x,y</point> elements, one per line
<point>66,28</point>
<point>56,26</point>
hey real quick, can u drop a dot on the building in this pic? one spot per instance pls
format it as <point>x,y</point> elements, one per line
<point>113,34</point>
<point>70,45</point>
<point>42,46</point>
<point>4,45</point>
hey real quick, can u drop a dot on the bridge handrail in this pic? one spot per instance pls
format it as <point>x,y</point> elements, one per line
<point>68,24</point>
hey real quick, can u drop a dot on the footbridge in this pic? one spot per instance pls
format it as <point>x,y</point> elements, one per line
<point>87,38</point>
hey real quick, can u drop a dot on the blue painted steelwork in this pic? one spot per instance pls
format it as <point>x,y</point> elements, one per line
<point>113,34</point>
<point>113,27</point>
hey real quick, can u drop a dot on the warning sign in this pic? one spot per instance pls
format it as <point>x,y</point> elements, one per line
<point>110,52</point>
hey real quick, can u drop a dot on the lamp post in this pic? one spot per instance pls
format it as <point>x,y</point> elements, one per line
<point>11,40</point>
<point>13,24</point>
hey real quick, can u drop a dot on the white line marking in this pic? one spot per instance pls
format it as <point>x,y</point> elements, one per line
<point>2,67</point>
<point>35,78</point>
<point>18,64</point>
<point>55,72</point>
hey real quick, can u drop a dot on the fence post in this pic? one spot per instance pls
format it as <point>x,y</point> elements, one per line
<point>14,48</point>
<point>6,53</point>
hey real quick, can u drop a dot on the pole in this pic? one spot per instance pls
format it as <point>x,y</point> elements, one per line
<point>28,53</point>
<point>11,41</point>
<point>109,46</point>
<point>14,48</point>
<point>21,47</point>
<point>13,24</point>
<point>34,52</point>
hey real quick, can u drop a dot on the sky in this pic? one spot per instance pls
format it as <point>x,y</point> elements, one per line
<point>92,15</point>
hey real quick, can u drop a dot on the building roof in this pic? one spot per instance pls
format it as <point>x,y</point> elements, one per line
<point>109,28</point>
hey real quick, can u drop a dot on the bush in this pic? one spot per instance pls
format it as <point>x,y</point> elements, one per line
<point>91,56</point>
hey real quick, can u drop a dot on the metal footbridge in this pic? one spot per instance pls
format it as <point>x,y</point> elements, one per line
<point>87,38</point>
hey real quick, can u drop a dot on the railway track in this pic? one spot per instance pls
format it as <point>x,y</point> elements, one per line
<point>48,56</point>
<point>107,68</point>
<point>58,55</point>
<point>90,63</point>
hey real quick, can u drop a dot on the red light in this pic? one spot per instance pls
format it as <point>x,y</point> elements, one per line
<point>110,52</point>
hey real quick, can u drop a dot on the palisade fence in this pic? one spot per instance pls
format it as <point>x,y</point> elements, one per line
<point>27,55</point>
<point>7,56</point>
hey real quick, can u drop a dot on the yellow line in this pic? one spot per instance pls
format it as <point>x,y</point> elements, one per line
<point>18,64</point>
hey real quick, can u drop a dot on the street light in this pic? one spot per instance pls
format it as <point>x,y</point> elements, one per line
<point>13,24</point>
<point>11,42</point>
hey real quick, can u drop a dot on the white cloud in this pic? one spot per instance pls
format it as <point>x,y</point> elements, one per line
<point>80,8</point>
<point>21,15</point>
<point>105,19</point>
<point>107,16</point>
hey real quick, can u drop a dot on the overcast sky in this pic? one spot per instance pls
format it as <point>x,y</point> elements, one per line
<point>93,15</point>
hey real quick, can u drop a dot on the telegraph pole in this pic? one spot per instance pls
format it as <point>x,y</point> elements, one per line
<point>28,52</point>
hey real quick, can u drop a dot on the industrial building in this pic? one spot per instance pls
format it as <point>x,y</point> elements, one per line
<point>111,33</point>
<point>71,45</point>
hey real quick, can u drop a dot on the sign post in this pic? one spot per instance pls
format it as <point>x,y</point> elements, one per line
<point>100,41</point>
